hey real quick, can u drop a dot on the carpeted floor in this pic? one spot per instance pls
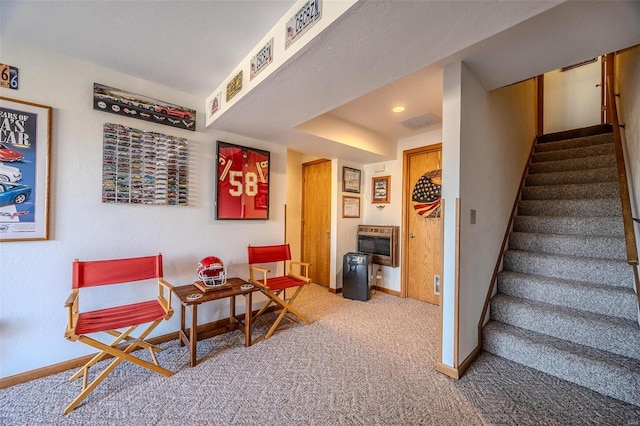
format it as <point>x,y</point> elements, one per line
<point>359,363</point>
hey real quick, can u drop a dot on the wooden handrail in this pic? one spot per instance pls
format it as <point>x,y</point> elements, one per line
<point>627,215</point>
<point>494,277</point>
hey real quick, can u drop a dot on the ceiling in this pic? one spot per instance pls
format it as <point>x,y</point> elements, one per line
<point>375,56</point>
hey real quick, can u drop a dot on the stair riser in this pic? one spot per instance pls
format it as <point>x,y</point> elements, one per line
<point>603,300</point>
<point>572,191</point>
<point>569,245</point>
<point>607,379</point>
<point>589,208</point>
<point>594,334</point>
<point>573,164</point>
<point>580,176</point>
<point>597,226</point>
<point>596,271</point>
<point>581,152</point>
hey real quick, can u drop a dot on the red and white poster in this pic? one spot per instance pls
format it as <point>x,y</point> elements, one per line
<point>242,182</point>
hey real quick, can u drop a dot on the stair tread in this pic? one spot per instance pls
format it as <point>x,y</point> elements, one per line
<point>600,247</point>
<point>590,225</point>
<point>576,349</point>
<point>573,152</point>
<point>612,334</point>
<point>602,174</point>
<point>564,311</point>
<point>571,283</point>
<point>620,302</point>
<point>568,257</point>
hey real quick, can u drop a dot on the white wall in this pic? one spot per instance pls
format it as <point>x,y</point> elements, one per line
<point>628,85</point>
<point>497,131</point>
<point>391,214</point>
<point>36,276</point>
<point>486,138</point>
<point>571,98</point>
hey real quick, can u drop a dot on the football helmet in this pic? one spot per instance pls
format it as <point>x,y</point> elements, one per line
<point>211,272</point>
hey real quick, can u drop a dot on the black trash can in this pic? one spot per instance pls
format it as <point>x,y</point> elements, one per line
<point>356,276</point>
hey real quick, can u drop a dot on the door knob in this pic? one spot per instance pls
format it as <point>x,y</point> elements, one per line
<point>327,233</point>
<point>411,235</point>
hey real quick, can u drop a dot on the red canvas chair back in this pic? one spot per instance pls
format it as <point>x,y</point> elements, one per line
<point>268,254</point>
<point>102,272</point>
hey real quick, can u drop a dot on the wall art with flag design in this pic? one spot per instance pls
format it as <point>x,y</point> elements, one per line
<point>427,193</point>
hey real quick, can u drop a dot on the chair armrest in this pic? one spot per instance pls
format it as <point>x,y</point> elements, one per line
<point>300,277</point>
<point>71,299</point>
<point>304,269</point>
<point>253,279</point>
<point>72,315</point>
<point>163,284</point>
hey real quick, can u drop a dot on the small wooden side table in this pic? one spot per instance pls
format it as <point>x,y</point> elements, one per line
<point>231,290</point>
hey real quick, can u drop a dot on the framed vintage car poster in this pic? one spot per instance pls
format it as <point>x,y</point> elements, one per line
<point>242,182</point>
<point>25,138</point>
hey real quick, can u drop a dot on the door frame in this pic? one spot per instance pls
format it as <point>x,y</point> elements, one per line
<point>406,198</point>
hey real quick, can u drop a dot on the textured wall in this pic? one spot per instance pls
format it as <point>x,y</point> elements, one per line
<point>35,276</point>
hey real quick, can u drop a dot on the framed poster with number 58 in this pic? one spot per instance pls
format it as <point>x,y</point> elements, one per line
<point>242,182</point>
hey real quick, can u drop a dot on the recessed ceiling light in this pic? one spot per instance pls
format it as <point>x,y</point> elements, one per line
<point>398,109</point>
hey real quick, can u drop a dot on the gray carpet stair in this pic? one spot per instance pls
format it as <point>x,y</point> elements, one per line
<point>565,301</point>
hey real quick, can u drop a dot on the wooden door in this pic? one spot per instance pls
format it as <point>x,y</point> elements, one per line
<point>422,238</point>
<point>316,219</point>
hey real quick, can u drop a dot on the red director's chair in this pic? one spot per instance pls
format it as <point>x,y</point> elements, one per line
<point>274,286</point>
<point>111,319</point>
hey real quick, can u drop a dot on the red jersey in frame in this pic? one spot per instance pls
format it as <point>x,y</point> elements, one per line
<point>242,182</point>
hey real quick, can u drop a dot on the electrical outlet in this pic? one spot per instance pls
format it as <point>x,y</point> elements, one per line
<point>472,217</point>
<point>436,284</point>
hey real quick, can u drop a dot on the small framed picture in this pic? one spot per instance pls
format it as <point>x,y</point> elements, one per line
<point>350,180</point>
<point>381,192</point>
<point>350,206</point>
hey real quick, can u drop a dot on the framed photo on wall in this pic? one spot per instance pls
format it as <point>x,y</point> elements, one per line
<point>350,206</point>
<point>380,188</point>
<point>242,182</point>
<point>25,139</point>
<point>350,180</point>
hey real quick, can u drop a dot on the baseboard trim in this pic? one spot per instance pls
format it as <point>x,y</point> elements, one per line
<point>386,290</point>
<point>215,327</point>
<point>447,371</point>
<point>335,290</point>
<point>462,368</point>
<point>456,373</point>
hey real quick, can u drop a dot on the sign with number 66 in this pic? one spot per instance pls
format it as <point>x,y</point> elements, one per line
<point>8,77</point>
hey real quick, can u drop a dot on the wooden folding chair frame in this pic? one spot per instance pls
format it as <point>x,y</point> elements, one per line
<point>154,312</point>
<point>273,287</point>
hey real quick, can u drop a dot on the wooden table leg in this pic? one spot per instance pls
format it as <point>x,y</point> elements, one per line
<point>182,309</point>
<point>247,319</point>
<point>193,334</point>
<point>232,310</point>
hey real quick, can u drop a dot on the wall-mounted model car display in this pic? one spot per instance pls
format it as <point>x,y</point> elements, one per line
<point>13,193</point>
<point>9,173</point>
<point>121,102</point>
<point>8,154</point>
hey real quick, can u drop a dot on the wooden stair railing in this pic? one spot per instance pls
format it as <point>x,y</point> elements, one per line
<point>627,216</point>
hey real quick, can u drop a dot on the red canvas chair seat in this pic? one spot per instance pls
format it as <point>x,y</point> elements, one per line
<point>274,286</point>
<point>117,321</point>
<point>119,316</point>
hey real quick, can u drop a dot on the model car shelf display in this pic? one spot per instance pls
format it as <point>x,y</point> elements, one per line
<point>142,167</point>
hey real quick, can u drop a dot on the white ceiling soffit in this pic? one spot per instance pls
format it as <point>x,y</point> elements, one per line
<point>369,46</point>
<point>190,45</point>
<point>569,33</point>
